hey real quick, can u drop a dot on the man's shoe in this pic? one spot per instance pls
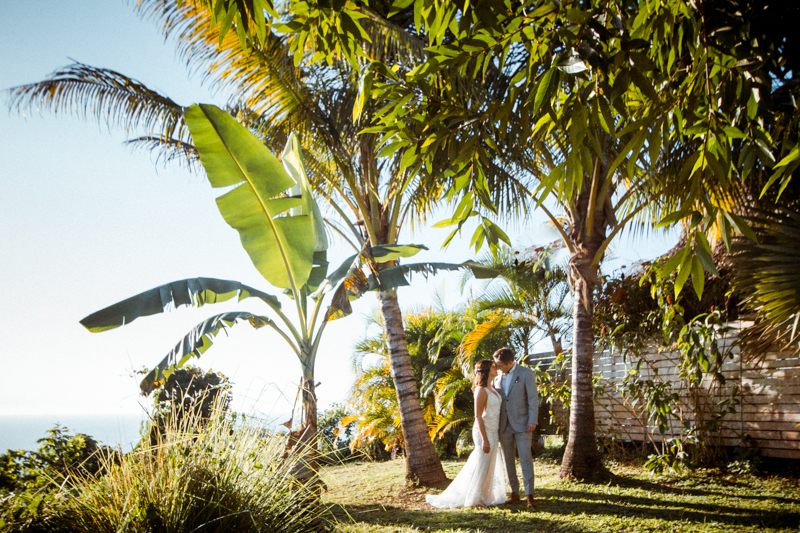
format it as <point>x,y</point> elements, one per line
<point>531,501</point>
<point>514,498</point>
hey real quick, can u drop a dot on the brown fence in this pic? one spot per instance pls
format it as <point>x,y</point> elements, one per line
<point>766,396</point>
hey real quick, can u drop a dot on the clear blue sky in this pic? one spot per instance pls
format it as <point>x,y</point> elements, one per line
<point>88,222</point>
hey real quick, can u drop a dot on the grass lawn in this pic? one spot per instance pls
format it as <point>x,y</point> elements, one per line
<point>372,497</point>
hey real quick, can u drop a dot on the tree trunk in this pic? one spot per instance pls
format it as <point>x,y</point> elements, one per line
<point>581,458</point>
<point>591,216</point>
<point>305,439</point>
<point>422,462</point>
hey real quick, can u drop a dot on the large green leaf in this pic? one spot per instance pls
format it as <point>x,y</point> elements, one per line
<point>383,253</point>
<point>354,282</point>
<point>280,245</point>
<point>292,159</point>
<point>195,291</point>
<point>398,276</point>
<point>195,343</point>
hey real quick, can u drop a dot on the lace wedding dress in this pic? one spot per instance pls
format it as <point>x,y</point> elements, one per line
<point>482,481</point>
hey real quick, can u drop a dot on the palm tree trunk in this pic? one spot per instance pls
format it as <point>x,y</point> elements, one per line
<point>581,458</point>
<point>590,220</point>
<point>422,462</point>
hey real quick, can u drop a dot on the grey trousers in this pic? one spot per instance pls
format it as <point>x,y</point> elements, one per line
<point>522,442</point>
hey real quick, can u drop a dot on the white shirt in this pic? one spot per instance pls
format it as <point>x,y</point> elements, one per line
<point>505,380</point>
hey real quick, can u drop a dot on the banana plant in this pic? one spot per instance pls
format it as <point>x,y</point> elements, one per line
<point>270,204</point>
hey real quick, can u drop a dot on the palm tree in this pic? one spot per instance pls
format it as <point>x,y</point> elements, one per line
<point>530,299</point>
<point>599,152</point>
<point>766,270</point>
<point>372,191</point>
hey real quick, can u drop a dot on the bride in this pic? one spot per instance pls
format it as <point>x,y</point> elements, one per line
<point>482,481</point>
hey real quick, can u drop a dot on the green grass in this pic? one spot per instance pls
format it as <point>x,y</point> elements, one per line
<point>372,497</point>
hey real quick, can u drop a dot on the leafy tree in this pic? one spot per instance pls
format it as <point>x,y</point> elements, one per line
<point>634,112</point>
<point>277,89</point>
<point>30,480</point>
<point>59,454</point>
<point>189,397</point>
<point>335,434</point>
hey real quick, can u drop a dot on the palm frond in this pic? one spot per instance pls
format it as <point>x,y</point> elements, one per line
<point>106,96</point>
<point>475,337</point>
<point>168,150</point>
<point>767,273</point>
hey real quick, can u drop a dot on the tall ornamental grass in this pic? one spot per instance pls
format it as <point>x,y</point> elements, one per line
<point>222,478</point>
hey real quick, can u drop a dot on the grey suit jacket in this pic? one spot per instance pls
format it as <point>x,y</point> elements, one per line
<point>521,404</point>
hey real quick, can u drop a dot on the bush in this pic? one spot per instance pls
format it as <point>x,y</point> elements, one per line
<point>189,393</point>
<point>334,435</point>
<point>221,479</point>
<point>59,455</point>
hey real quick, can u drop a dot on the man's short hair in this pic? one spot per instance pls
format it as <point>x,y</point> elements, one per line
<point>505,355</point>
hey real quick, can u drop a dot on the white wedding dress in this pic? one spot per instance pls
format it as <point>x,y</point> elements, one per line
<point>482,481</point>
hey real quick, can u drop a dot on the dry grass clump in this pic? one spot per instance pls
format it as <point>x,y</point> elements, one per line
<point>218,478</point>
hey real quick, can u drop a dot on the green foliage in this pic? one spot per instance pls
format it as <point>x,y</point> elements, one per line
<point>189,393</point>
<point>626,316</point>
<point>334,434</point>
<point>701,94</point>
<point>59,455</point>
<point>630,310</point>
<point>686,403</point>
<point>225,478</point>
<point>29,480</point>
<point>444,376</point>
<point>555,394</point>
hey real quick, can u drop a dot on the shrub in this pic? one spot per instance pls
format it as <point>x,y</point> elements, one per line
<point>224,478</point>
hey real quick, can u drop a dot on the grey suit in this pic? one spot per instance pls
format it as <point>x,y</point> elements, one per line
<point>520,408</point>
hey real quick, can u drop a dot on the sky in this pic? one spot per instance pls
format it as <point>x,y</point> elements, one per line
<point>88,222</point>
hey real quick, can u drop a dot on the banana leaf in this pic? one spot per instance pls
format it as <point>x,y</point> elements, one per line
<point>189,292</point>
<point>195,343</point>
<point>398,276</point>
<point>356,282</point>
<point>280,245</point>
<point>292,159</point>
<point>381,253</point>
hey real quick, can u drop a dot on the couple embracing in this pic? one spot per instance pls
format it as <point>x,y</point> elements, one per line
<point>506,413</point>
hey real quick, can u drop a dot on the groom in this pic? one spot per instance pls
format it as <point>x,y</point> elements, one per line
<point>519,415</point>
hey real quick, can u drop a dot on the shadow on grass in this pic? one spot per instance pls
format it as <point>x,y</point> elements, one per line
<point>634,483</point>
<point>501,518</point>
<point>567,502</point>
<point>568,510</point>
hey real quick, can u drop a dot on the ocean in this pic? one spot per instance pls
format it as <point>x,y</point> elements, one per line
<point>20,432</point>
